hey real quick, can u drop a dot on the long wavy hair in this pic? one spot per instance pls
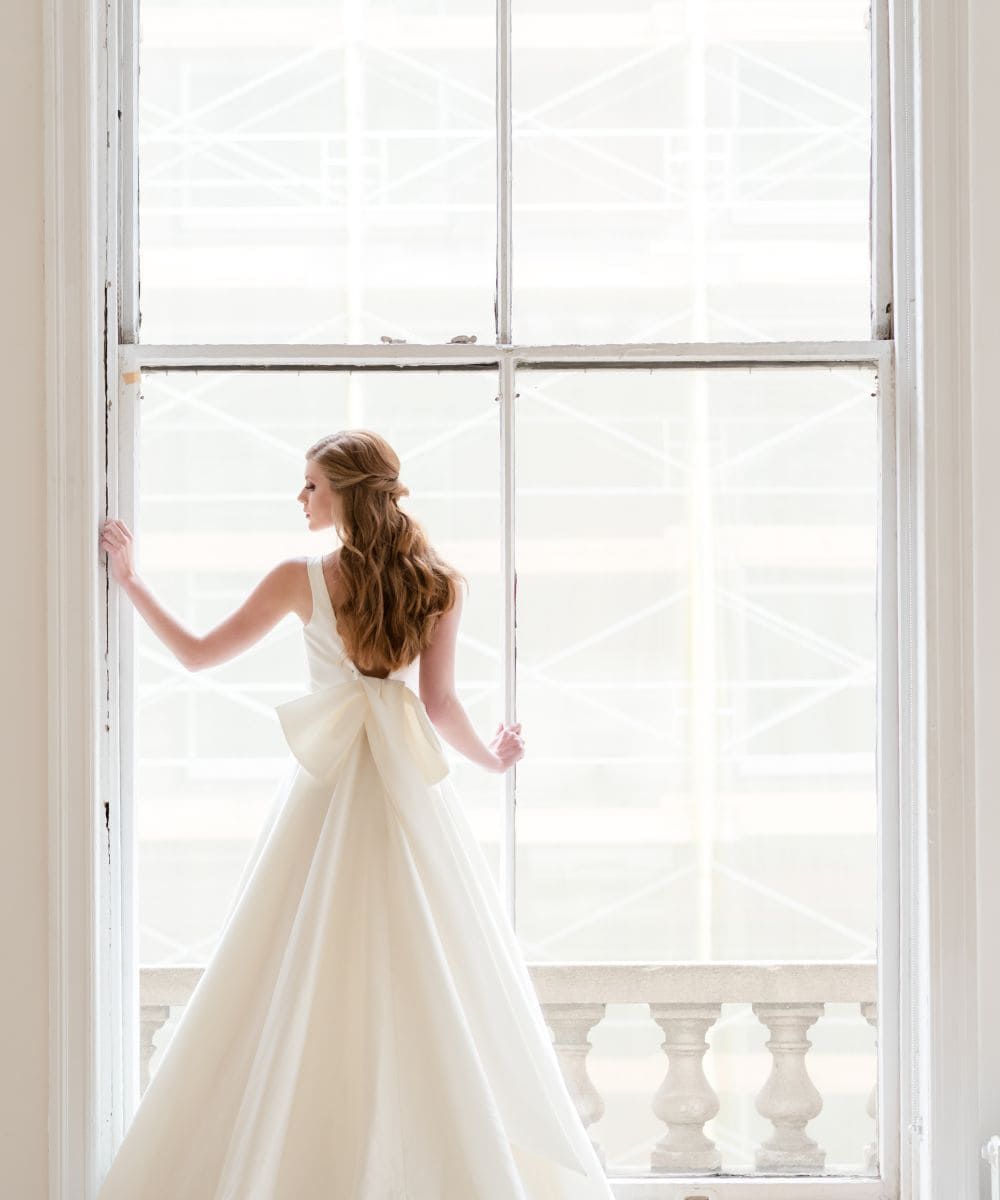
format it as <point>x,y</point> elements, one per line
<point>395,584</point>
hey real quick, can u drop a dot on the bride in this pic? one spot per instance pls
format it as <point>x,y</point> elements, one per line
<point>366,1028</point>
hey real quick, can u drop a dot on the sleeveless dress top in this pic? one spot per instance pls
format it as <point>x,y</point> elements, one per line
<point>325,651</point>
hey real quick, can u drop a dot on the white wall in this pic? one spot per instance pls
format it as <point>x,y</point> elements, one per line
<point>23,868</point>
<point>985,239</point>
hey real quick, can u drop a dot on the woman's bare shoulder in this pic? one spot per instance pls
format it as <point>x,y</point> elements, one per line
<point>290,577</point>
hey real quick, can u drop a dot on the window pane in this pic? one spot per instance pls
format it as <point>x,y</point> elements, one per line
<point>692,170</point>
<point>696,561</point>
<point>323,172</point>
<point>696,663</point>
<point>221,464</point>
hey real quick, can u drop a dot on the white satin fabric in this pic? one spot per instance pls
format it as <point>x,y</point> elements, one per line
<point>366,1028</point>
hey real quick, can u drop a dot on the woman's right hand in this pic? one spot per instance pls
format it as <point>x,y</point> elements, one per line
<point>507,746</point>
<point>116,542</point>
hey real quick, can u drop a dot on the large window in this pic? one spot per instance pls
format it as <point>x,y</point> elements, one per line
<point>611,278</point>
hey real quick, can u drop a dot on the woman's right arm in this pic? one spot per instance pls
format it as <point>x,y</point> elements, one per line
<point>446,711</point>
<point>275,595</point>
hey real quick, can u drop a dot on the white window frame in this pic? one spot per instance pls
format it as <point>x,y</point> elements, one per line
<point>930,1038</point>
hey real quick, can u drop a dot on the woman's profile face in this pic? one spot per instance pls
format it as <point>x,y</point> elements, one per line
<point>320,503</point>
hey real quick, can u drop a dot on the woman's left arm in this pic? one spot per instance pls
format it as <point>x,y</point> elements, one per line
<point>270,600</point>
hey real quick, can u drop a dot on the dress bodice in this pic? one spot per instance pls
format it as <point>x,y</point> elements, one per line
<point>324,726</point>
<point>325,652</point>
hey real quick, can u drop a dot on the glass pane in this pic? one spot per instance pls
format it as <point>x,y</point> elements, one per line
<point>221,458</point>
<point>696,559</point>
<point>690,171</point>
<point>323,172</point>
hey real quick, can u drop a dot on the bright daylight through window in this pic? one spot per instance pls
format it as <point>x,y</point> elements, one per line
<point>692,836</point>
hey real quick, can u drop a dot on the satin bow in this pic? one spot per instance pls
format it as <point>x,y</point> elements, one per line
<point>322,726</point>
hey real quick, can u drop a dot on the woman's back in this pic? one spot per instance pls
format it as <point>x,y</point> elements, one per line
<point>325,650</point>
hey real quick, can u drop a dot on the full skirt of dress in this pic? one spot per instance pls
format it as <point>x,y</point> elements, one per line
<point>366,1028</point>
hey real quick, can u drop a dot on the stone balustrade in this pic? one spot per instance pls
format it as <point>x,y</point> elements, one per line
<point>685,1002</point>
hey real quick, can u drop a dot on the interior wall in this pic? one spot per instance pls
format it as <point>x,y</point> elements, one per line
<point>23,786</point>
<point>984,93</point>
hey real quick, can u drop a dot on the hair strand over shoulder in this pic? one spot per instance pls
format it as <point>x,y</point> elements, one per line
<point>395,584</point>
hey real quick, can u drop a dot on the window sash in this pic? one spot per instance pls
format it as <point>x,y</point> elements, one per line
<point>126,188</point>
<point>506,360</point>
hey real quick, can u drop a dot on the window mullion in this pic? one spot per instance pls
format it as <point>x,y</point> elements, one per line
<point>881,181</point>
<point>889,816</point>
<point>505,207</point>
<point>508,571</point>
<point>125,119</point>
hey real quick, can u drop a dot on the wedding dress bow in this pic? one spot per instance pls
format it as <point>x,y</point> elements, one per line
<point>322,726</point>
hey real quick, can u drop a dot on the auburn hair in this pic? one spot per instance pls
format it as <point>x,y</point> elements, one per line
<point>395,584</point>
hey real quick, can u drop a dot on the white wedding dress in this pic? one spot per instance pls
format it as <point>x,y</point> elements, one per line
<point>366,1028</point>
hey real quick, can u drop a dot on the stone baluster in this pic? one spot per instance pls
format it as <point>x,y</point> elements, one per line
<point>869,1010</point>
<point>570,1024</point>
<point>685,1101</point>
<point>152,1018</point>
<point>789,1099</point>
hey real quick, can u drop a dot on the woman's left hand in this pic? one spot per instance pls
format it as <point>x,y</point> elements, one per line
<point>116,541</point>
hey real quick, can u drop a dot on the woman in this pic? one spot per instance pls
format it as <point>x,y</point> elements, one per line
<point>366,1028</point>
